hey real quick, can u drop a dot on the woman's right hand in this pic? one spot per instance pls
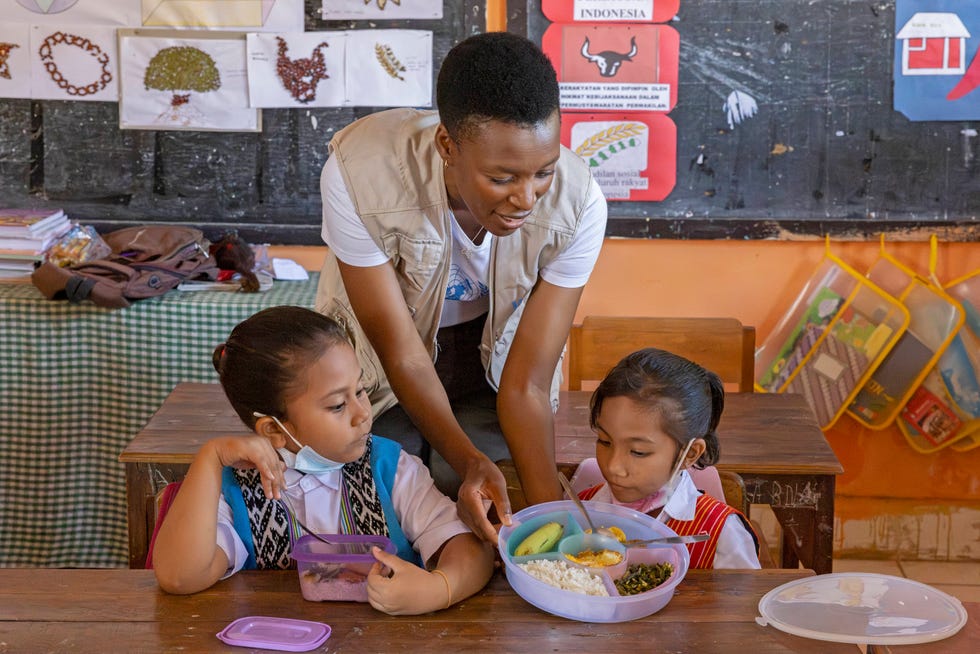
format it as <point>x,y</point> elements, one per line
<point>483,481</point>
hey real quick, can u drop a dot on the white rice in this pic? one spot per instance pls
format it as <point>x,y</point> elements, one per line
<point>563,575</point>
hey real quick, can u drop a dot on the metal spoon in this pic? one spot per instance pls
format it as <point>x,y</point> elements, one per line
<point>289,509</point>
<point>581,507</point>
<point>695,538</point>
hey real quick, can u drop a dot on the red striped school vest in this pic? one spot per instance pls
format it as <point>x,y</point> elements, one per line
<point>709,516</point>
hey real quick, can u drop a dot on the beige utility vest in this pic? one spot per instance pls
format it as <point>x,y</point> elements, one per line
<point>394,176</point>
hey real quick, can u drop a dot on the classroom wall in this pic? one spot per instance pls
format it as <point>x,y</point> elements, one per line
<point>891,500</point>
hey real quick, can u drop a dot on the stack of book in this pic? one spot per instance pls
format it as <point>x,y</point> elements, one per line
<point>25,234</point>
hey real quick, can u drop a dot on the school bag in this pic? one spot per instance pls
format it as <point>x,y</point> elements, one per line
<point>146,261</point>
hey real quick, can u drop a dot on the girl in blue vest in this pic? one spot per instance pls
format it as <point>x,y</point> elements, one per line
<point>292,376</point>
<point>655,416</point>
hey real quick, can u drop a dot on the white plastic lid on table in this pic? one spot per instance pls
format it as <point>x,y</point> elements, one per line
<point>862,608</point>
<point>283,634</point>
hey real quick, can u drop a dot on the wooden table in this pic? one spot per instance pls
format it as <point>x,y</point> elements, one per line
<point>123,610</point>
<point>773,441</point>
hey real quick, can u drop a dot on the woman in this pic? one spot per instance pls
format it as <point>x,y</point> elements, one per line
<point>459,246</point>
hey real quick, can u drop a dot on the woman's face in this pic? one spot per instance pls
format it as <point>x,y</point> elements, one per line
<point>634,454</point>
<point>498,171</point>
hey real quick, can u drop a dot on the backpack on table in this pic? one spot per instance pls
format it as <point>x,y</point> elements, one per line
<point>146,261</point>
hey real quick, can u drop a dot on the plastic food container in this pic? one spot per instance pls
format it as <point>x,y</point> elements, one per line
<point>336,572</point>
<point>281,634</point>
<point>579,606</point>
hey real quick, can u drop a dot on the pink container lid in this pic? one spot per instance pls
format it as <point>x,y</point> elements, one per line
<point>284,634</point>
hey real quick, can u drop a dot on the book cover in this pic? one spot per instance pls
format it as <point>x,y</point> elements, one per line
<point>892,379</point>
<point>33,244</point>
<point>29,222</point>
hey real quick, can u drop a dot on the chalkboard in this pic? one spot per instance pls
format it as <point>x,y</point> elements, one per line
<point>266,185</point>
<point>826,152</point>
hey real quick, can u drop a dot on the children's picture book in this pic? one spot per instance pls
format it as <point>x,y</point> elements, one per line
<point>930,417</point>
<point>890,380</point>
<point>820,310</point>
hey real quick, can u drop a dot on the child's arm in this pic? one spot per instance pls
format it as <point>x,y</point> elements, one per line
<point>464,566</point>
<point>736,547</point>
<point>186,557</point>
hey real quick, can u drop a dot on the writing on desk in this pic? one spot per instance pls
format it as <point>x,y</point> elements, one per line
<point>778,493</point>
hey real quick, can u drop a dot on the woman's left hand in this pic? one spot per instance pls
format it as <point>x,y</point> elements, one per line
<point>407,590</point>
<point>483,481</point>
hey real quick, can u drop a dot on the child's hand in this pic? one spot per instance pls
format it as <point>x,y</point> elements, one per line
<point>253,452</point>
<point>408,590</point>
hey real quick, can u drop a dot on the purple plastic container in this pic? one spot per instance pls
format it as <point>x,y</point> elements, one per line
<point>338,571</point>
<point>282,634</point>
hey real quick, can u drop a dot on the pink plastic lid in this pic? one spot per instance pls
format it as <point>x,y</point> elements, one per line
<point>283,634</point>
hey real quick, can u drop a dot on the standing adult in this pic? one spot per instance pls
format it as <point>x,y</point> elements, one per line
<point>459,243</point>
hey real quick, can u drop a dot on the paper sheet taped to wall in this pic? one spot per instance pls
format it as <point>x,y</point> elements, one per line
<point>207,13</point>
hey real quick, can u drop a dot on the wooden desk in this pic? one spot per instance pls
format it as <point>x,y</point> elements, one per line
<point>772,441</point>
<point>123,610</point>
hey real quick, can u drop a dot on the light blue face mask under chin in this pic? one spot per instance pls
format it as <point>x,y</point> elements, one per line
<point>307,460</point>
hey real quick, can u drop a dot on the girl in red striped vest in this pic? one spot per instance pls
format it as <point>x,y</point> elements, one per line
<point>655,416</point>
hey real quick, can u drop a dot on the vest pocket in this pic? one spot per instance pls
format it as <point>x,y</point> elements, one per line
<point>415,260</point>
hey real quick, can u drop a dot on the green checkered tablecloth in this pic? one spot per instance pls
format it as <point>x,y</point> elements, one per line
<point>77,382</point>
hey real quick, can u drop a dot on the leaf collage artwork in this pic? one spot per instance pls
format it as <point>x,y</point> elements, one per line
<point>212,64</point>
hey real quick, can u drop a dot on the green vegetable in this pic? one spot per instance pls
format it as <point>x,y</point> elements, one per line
<point>642,577</point>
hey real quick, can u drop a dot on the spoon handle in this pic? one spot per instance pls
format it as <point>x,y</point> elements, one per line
<point>286,504</point>
<point>694,538</point>
<point>574,497</point>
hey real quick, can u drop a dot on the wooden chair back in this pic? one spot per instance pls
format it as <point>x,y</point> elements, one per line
<point>722,345</point>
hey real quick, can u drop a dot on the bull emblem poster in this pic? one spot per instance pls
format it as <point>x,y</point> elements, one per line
<point>614,67</point>
<point>937,59</point>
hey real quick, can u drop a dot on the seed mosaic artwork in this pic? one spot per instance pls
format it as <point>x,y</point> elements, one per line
<point>388,60</point>
<point>301,76</point>
<point>46,53</point>
<point>5,49</point>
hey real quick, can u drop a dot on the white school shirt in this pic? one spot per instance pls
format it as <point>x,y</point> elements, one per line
<point>427,517</point>
<point>736,547</point>
<point>468,293</point>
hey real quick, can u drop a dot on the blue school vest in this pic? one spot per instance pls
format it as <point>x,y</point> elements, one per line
<point>384,465</point>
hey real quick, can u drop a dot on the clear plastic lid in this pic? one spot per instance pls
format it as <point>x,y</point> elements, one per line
<point>284,634</point>
<point>862,608</point>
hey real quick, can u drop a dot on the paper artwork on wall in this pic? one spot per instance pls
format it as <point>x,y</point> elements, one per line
<point>72,12</point>
<point>631,11</point>
<point>171,82</point>
<point>614,67</point>
<point>248,15</point>
<point>389,68</point>
<point>380,9</point>
<point>15,60</point>
<point>296,69</point>
<point>74,62</point>
<point>368,68</point>
<point>632,156</point>
<point>937,59</point>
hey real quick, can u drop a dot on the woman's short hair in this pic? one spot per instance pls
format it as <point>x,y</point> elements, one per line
<point>495,76</point>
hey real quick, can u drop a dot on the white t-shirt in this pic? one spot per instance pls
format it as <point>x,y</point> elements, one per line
<point>427,517</point>
<point>467,294</point>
